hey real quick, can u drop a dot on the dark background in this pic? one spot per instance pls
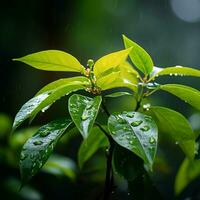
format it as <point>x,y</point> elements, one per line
<point>168,29</point>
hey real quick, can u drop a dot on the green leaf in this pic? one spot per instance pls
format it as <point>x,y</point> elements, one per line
<point>83,111</point>
<point>117,94</point>
<point>140,58</point>
<point>89,146</point>
<point>60,166</point>
<point>52,60</point>
<point>187,94</point>
<point>127,164</point>
<point>136,132</point>
<point>34,105</point>
<point>176,71</point>
<point>110,61</point>
<point>118,80</point>
<point>188,171</point>
<point>176,126</point>
<point>39,147</point>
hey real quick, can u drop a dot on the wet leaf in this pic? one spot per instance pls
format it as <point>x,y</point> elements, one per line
<point>136,132</point>
<point>175,126</point>
<point>186,93</point>
<point>89,146</point>
<point>39,147</point>
<point>37,103</point>
<point>83,111</point>
<point>174,71</point>
<point>52,60</point>
<point>140,58</point>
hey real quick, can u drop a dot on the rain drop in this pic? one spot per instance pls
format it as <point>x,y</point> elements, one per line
<point>151,140</point>
<point>44,133</point>
<point>170,74</point>
<point>38,142</point>
<point>131,142</point>
<point>130,115</point>
<point>23,156</point>
<point>145,128</point>
<point>136,123</point>
<point>84,117</point>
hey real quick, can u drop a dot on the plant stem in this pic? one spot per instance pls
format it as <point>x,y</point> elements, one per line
<point>109,173</point>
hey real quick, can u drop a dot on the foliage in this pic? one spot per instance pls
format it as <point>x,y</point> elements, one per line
<point>134,132</point>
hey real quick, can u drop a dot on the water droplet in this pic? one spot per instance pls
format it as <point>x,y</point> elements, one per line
<point>34,164</point>
<point>176,142</point>
<point>113,132</point>
<point>84,117</point>
<point>136,123</point>
<point>148,118</point>
<point>131,142</point>
<point>175,74</point>
<point>147,106</point>
<point>128,137</point>
<point>128,193</point>
<point>23,156</point>
<point>44,133</point>
<point>151,140</point>
<point>170,74</point>
<point>145,128</point>
<point>130,115</point>
<point>121,121</point>
<point>37,142</point>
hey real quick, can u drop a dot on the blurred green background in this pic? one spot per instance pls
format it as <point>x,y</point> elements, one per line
<point>168,29</point>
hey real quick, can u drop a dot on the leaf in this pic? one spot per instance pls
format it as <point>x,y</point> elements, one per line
<point>118,80</point>
<point>176,71</point>
<point>188,171</point>
<point>140,58</point>
<point>110,61</point>
<point>176,126</point>
<point>78,80</point>
<point>118,94</point>
<point>34,105</point>
<point>89,146</point>
<point>60,166</point>
<point>136,132</point>
<point>187,94</point>
<point>127,164</point>
<point>83,111</point>
<point>39,147</point>
<point>52,60</point>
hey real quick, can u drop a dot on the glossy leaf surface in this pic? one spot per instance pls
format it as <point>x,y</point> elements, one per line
<point>118,94</point>
<point>39,147</point>
<point>136,132</point>
<point>118,80</point>
<point>175,71</point>
<point>110,61</point>
<point>52,60</point>
<point>89,146</point>
<point>83,111</point>
<point>176,126</point>
<point>34,105</point>
<point>140,58</point>
<point>186,93</point>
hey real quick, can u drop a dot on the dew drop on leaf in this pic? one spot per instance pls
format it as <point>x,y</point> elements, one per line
<point>130,115</point>
<point>84,117</point>
<point>44,133</point>
<point>37,142</point>
<point>151,140</point>
<point>136,123</point>
<point>23,156</point>
<point>145,128</point>
<point>131,142</point>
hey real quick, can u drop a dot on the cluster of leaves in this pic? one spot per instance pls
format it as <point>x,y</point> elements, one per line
<point>133,131</point>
